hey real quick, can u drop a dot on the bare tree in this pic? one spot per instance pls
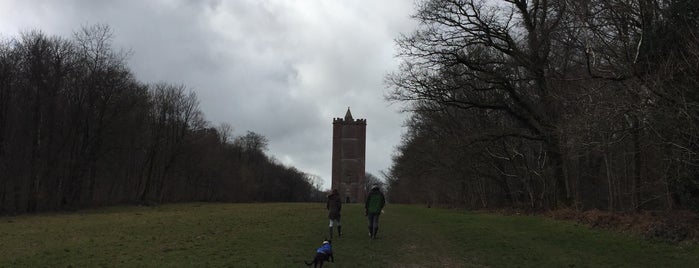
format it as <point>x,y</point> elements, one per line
<point>225,130</point>
<point>77,130</point>
<point>474,55</point>
<point>172,115</point>
<point>252,142</point>
<point>549,103</point>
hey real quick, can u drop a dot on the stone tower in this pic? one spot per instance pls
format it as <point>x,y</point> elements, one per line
<point>349,150</point>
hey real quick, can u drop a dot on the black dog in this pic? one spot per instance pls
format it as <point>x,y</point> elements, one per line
<point>323,253</point>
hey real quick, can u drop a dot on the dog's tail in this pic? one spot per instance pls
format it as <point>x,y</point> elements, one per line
<point>308,263</point>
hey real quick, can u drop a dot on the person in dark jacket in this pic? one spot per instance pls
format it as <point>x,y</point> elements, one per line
<point>334,205</point>
<point>373,206</point>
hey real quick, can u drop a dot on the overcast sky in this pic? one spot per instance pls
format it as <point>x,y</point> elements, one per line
<point>281,68</point>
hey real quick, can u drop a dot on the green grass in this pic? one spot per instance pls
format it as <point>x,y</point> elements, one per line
<point>285,234</point>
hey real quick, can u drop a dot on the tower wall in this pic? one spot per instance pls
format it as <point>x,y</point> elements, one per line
<point>348,158</point>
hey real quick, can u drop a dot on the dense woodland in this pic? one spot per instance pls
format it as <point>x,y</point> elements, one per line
<point>77,130</point>
<point>543,104</point>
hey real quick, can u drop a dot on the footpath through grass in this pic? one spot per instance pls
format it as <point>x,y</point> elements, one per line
<point>285,234</point>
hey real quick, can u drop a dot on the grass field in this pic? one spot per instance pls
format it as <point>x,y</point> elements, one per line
<point>285,234</point>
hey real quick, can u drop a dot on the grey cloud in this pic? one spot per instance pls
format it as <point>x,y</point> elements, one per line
<point>280,68</point>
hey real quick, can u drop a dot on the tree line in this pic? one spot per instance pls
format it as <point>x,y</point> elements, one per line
<point>542,104</point>
<point>78,130</point>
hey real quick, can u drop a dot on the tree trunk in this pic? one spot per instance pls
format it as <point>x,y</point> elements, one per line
<point>636,185</point>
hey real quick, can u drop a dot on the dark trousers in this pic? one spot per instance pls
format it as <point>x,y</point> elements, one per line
<point>373,223</point>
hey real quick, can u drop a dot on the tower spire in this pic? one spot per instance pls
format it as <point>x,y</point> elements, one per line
<point>348,115</point>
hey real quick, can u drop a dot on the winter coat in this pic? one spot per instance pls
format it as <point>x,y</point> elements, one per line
<point>374,202</point>
<point>325,249</point>
<point>334,205</point>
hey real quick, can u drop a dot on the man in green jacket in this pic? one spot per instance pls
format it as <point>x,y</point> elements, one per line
<point>375,201</point>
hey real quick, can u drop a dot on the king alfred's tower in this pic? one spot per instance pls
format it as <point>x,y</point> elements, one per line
<point>349,150</point>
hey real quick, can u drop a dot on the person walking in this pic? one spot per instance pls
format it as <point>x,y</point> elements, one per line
<point>373,206</point>
<point>334,205</point>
